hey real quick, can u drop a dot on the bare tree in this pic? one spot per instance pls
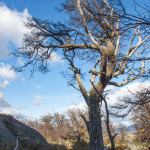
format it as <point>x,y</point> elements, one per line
<point>129,103</point>
<point>59,120</point>
<point>141,15</point>
<point>48,129</point>
<point>141,118</point>
<point>94,36</point>
<point>77,124</point>
<point>138,104</point>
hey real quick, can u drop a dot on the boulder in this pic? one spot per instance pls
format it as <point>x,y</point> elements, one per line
<point>15,135</point>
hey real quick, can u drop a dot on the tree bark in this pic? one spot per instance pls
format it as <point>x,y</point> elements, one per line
<point>95,126</point>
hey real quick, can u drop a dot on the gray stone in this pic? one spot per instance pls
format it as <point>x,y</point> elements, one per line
<point>13,131</point>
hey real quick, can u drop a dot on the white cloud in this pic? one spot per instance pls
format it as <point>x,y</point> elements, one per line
<point>3,84</point>
<point>20,62</point>
<point>124,122</point>
<point>6,75</point>
<point>38,100</point>
<point>55,58</point>
<point>110,89</point>
<point>3,101</point>
<point>6,72</point>
<point>82,107</point>
<point>7,108</point>
<point>37,87</point>
<point>12,111</point>
<point>115,94</point>
<point>11,28</point>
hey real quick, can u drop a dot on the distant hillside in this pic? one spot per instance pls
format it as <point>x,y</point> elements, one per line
<point>131,128</point>
<point>128,128</point>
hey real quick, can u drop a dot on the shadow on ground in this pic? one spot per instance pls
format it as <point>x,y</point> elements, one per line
<point>78,145</point>
<point>56,147</point>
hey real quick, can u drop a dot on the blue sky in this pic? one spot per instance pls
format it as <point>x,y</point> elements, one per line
<point>21,95</point>
<point>42,9</point>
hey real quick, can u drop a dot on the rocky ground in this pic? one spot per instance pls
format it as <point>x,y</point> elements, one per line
<point>15,134</point>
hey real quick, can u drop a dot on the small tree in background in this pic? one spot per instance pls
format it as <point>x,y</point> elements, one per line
<point>48,129</point>
<point>77,124</point>
<point>122,130</point>
<point>97,35</point>
<point>141,118</point>
<point>62,130</point>
<point>137,99</point>
<point>138,104</point>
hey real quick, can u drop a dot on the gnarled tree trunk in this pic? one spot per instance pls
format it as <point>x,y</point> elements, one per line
<point>95,125</point>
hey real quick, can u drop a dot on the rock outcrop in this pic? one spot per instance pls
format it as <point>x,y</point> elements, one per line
<point>15,134</point>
